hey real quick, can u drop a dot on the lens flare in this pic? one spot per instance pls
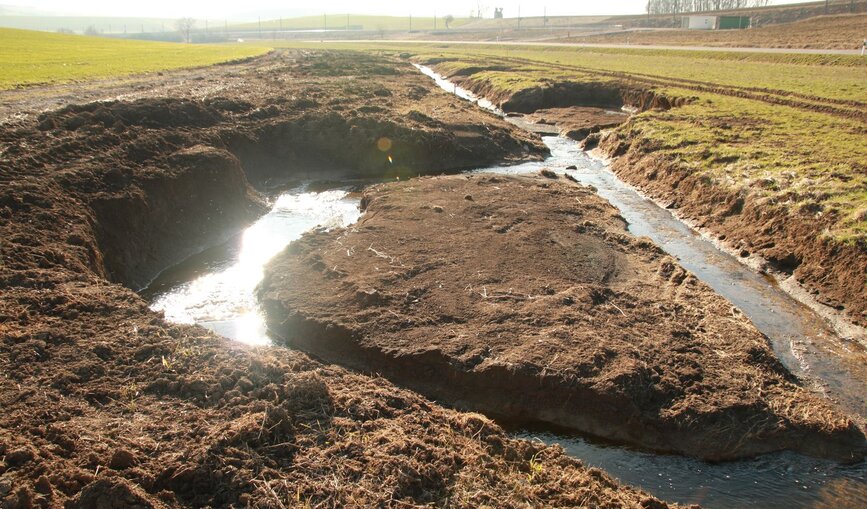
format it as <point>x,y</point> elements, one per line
<point>390,160</point>
<point>383,144</point>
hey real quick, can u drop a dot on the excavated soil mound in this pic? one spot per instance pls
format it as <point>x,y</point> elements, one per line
<point>104,404</point>
<point>526,298</point>
<point>578,122</point>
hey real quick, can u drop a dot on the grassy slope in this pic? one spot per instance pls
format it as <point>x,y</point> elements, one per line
<point>792,156</point>
<point>38,57</point>
<point>339,21</point>
<point>844,31</point>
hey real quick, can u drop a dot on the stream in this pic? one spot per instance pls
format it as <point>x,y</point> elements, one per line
<point>215,289</point>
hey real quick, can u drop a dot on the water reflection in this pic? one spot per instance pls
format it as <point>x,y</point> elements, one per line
<point>222,298</point>
<point>781,480</point>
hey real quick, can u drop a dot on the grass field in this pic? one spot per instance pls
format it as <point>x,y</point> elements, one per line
<point>366,22</point>
<point>28,58</point>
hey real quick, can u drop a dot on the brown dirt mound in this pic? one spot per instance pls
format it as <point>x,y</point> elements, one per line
<point>526,298</point>
<point>135,163</point>
<point>578,122</point>
<point>119,409</point>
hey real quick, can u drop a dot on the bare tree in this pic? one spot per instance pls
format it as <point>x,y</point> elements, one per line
<point>185,28</point>
<point>448,19</point>
<point>685,6</point>
<point>92,30</point>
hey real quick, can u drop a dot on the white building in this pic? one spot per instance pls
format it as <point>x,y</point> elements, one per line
<point>698,22</point>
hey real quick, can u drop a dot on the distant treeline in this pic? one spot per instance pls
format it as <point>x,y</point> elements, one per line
<point>683,6</point>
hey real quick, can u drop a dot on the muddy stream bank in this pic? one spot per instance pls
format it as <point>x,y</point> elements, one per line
<point>215,289</point>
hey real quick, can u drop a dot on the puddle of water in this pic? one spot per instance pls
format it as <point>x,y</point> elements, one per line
<point>215,289</point>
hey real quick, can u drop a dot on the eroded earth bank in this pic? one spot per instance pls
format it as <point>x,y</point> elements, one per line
<point>782,224</point>
<point>105,404</point>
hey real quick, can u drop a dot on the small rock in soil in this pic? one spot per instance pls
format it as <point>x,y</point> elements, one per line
<point>122,459</point>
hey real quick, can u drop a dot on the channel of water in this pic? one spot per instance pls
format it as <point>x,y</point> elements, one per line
<point>216,290</point>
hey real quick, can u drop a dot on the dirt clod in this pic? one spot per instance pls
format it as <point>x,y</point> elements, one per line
<point>122,459</point>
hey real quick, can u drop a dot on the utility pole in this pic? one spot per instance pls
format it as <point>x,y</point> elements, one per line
<point>347,21</point>
<point>206,27</point>
<point>410,22</point>
<point>260,27</point>
<point>435,20</point>
<point>519,16</point>
<point>324,21</point>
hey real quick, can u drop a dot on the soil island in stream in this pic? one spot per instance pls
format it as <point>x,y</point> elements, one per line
<point>526,298</point>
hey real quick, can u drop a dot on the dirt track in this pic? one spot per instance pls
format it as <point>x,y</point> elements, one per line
<point>526,298</point>
<point>107,405</point>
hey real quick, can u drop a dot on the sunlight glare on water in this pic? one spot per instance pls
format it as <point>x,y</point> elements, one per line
<point>224,300</point>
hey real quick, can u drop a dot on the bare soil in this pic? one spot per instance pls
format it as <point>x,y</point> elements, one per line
<point>578,122</point>
<point>105,404</point>
<point>526,298</point>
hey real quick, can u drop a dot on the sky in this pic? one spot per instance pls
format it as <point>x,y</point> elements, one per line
<point>227,8</point>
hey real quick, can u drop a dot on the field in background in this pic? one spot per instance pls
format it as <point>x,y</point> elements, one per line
<point>29,57</point>
<point>103,24</point>
<point>802,142</point>
<point>823,32</point>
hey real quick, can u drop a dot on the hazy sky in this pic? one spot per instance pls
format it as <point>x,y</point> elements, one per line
<point>222,8</point>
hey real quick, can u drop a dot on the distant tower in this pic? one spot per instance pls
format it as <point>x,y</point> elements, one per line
<point>498,13</point>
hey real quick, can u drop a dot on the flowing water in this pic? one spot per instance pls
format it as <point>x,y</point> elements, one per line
<point>215,289</point>
<point>770,481</point>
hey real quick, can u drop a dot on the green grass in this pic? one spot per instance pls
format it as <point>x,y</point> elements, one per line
<point>812,163</point>
<point>366,22</point>
<point>834,76</point>
<point>28,58</point>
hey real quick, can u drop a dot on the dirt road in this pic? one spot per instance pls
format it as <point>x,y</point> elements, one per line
<point>803,51</point>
